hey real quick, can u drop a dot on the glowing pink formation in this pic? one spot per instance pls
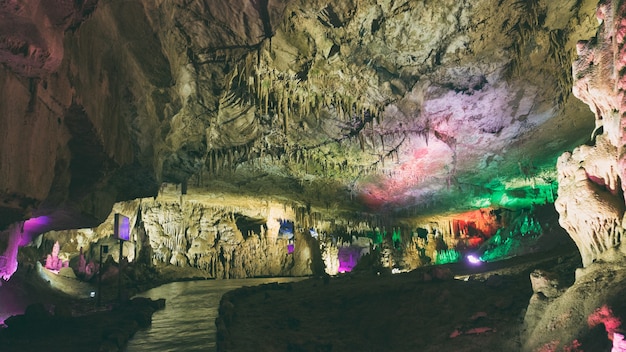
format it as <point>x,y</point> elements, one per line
<point>348,258</point>
<point>53,262</point>
<point>20,234</point>
<point>9,259</point>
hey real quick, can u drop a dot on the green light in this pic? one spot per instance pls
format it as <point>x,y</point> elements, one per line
<point>377,236</point>
<point>481,202</point>
<point>447,256</point>
<point>516,236</point>
<point>522,196</point>
<point>396,236</point>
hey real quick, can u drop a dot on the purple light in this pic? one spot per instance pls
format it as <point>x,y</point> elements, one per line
<point>122,227</point>
<point>473,260</point>
<point>290,248</point>
<point>20,234</point>
<point>348,258</point>
<point>33,227</point>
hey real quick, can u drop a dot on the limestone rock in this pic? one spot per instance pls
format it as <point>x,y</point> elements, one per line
<point>591,178</point>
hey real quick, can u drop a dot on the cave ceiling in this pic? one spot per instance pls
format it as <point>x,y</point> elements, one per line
<point>352,107</point>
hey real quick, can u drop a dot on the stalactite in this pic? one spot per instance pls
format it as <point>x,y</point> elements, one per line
<point>230,158</point>
<point>210,159</point>
<point>218,165</point>
<point>240,76</point>
<point>285,111</point>
<point>266,96</point>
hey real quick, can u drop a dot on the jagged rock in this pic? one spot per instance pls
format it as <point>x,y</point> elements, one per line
<point>545,283</point>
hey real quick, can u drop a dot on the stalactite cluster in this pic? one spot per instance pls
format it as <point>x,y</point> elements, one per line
<point>524,30</point>
<point>207,238</point>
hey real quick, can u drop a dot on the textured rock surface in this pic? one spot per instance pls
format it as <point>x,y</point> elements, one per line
<point>387,312</point>
<point>239,237</point>
<point>558,322</point>
<point>104,330</point>
<point>383,102</point>
<point>591,178</point>
<point>192,231</point>
<point>398,109</point>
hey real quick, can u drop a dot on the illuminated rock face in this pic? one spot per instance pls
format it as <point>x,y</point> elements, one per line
<point>223,241</point>
<point>208,238</point>
<point>592,179</point>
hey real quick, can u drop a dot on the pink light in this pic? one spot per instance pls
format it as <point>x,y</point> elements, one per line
<point>9,258</point>
<point>604,315</point>
<point>419,164</point>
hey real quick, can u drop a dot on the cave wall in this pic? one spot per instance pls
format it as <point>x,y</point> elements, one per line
<point>207,238</point>
<point>236,237</point>
<point>70,105</point>
<point>187,232</point>
<point>135,92</point>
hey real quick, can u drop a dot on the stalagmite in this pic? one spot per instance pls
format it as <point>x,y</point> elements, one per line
<point>590,203</point>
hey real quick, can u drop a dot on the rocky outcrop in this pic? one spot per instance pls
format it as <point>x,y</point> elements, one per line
<point>592,177</point>
<point>559,316</point>
<point>96,330</point>
<point>238,237</point>
<point>591,205</point>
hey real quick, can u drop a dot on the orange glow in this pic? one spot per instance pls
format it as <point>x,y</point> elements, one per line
<point>481,222</point>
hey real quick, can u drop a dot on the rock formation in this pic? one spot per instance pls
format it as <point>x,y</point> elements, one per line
<point>53,262</point>
<point>187,231</point>
<point>591,178</point>
<point>243,237</point>
<point>365,112</point>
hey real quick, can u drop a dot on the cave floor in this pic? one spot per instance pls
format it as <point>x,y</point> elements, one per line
<point>481,309</point>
